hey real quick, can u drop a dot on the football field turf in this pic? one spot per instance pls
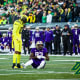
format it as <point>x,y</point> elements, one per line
<point>58,68</point>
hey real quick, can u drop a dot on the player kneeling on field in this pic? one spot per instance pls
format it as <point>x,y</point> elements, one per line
<point>37,57</point>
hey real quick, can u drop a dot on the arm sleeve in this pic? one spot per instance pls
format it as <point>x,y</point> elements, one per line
<point>32,50</point>
<point>45,50</point>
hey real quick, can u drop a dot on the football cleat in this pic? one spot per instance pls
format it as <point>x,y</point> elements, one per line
<point>19,66</point>
<point>14,67</point>
<point>23,65</point>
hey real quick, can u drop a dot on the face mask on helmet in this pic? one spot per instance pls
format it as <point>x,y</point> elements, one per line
<point>39,46</point>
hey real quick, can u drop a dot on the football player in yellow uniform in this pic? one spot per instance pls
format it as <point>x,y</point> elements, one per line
<point>17,29</point>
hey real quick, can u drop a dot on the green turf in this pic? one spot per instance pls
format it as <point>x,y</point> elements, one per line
<point>53,69</point>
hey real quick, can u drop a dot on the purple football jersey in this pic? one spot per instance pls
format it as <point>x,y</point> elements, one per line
<point>10,36</point>
<point>76,33</point>
<point>4,40</point>
<point>37,36</point>
<point>36,52</point>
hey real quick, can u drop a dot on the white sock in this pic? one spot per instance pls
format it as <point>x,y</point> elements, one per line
<point>41,65</point>
<point>28,63</point>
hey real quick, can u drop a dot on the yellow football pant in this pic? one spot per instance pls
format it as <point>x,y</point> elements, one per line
<point>16,57</point>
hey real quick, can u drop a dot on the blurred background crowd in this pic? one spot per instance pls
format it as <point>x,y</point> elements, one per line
<point>39,11</point>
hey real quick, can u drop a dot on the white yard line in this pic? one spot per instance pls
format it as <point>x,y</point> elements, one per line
<point>38,73</point>
<point>49,55</point>
<point>61,63</point>
<point>3,58</point>
<point>9,70</point>
<point>15,73</point>
<point>33,72</point>
<point>65,60</point>
<point>57,79</point>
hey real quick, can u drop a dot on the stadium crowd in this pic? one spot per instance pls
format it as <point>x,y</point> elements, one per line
<point>39,11</point>
<point>56,40</point>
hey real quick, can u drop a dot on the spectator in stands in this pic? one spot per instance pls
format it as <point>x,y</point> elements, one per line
<point>20,3</point>
<point>55,8</point>
<point>1,20</point>
<point>55,17</point>
<point>12,17</point>
<point>76,11</point>
<point>39,15</point>
<point>49,17</point>
<point>73,13</point>
<point>64,6</point>
<point>26,2</point>
<point>62,15</point>
<point>17,16</point>
<point>68,15</point>
<point>44,17</point>
<point>61,2</point>
<point>31,18</point>
<point>66,12</point>
<point>37,8</point>
<point>4,21</point>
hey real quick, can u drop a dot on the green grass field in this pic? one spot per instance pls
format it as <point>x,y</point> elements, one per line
<point>58,68</point>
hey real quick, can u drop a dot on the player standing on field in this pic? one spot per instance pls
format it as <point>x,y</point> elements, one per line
<point>17,30</point>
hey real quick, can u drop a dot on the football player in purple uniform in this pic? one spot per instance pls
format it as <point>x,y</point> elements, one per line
<point>4,41</point>
<point>37,35</point>
<point>37,57</point>
<point>76,39</point>
<point>10,39</point>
